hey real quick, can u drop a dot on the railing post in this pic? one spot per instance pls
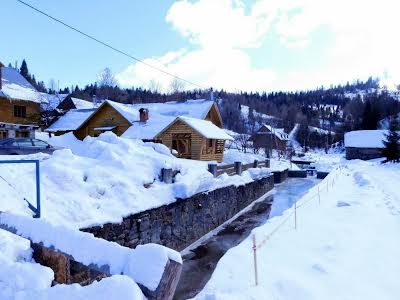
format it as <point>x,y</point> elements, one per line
<point>212,168</point>
<point>37,189</point>
<point>238,167</point>
<point>166,175</point>
<point>255,164</point>
<point>255,259</point>
<point>267,163</point>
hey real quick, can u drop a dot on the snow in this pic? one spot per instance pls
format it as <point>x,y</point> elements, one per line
<point>72,120</point>
<point>82,104</point>
<point>53,100</point>
<point>319,130</point>
<point>115,287</point>
<point>206,128</point>
<point>145,264</point>
<point>365,138</point>
<point>104,179</point>
<point>278,132</point>
<point>15,86</point>
<point>160,116</point>
<point>337,252</point>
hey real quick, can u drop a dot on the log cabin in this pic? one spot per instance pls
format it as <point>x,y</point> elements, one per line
<point>268,137</point>
<point>19,105</point>
<point>191,129</point>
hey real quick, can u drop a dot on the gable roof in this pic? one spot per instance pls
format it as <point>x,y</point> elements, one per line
<point>160,115</point>
<point>365,138</point>
<point>205,128</point>
<point>15,86</point>
<point>278,132</point>
<point>72,120</point>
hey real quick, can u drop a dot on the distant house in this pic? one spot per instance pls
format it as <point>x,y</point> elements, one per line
<point>270,138</point>
<point>171,123</point>
<point>364,144</point>
<point>19,105</point>
<point>70,102</point>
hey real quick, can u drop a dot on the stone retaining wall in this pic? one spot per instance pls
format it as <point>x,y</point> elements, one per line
<point>280,176</point>
<point>363,153</point>
<point>297,173</point>
<point>179,224</point>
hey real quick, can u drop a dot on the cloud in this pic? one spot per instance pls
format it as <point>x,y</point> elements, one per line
<point>221,33</point>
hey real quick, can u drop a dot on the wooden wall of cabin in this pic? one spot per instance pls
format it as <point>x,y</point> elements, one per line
<point>214,117</point>
<point>198,142</point>
<point>106,116</point>
<point>7,111</point>
<point>181,128</point>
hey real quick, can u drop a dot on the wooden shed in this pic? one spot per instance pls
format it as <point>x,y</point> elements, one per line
<point>195,139</point>
<point>268,137</point>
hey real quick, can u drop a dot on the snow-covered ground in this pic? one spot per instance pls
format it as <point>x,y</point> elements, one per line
<point>346,247</point>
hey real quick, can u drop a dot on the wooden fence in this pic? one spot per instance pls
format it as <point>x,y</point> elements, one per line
<point>236,168</point>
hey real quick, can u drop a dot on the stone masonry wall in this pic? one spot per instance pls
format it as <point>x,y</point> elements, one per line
<point>179,224</point>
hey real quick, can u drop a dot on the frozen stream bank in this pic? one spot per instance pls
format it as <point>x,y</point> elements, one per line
<point>201,262</point>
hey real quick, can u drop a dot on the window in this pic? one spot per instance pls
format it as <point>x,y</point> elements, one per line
<point>210,146</point>
<point>19,111</point>
<point>181,142</point>
<point>40,144</point>
<point>25,143</point>
<point>3,134</point>
<point>23,134</point>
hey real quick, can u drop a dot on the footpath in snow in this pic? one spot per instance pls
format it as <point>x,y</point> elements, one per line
<point>346,247</point>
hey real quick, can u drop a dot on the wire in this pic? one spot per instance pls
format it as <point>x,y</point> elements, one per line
<point>108,45</point>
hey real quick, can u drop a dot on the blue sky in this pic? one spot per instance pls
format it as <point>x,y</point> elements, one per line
<point>231,44</point>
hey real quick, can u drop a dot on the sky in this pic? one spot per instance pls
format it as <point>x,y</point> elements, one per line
<point>254,45</point>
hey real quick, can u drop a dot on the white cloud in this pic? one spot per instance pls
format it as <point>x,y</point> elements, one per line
<point>364,34</point>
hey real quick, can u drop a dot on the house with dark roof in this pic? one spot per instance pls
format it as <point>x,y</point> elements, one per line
<point>19,104</point>
<point>268,137</point>
<point>191,129</point>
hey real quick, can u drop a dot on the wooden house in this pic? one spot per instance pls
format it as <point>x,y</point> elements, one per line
<point>19,105</point>
<point>195,139</point>
<point>153,122</point>
<point>268,137</point>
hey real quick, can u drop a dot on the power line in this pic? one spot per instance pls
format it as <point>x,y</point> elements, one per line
<point>107,44</point>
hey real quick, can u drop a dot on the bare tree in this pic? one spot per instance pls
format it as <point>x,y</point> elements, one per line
<point>154,86</point>
<point>107,78</point>
<point>242,142</point>
<point>176,86</point>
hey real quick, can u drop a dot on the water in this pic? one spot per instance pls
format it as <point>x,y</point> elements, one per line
<point>199,265</point>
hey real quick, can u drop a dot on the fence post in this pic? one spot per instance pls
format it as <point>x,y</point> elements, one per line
<point>255,164</point>
<point>295,215</point>
<point>319,197</point>
<point>267,163</point>
<point>238,167</point>
<point>166,175</point>
<point>38,209</point>
<point>212,168</point>
<point>255,259</point>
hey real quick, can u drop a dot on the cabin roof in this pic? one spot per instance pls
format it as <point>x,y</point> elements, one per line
<point>52,100</point>
<point>278,132</point>
<point>206,128</point>
<point>72,120</point>
<point>15,86</point>
<point>365,138</point>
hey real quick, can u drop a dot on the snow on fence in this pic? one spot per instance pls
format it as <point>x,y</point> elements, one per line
<point>155,268</point>
<point>330,181</point>
<point>236,168</point>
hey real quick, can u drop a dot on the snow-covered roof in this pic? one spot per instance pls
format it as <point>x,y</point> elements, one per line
<point>15,86</point>
<point>53,100</point>
<point>365,138</point>
<point>160,115</point>
<point>72,120</point>
<point>82,104</point>
<point>206,128</point>
<point>278,132</point>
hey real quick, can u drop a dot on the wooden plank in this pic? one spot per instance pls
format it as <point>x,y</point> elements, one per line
<point>226,167</point>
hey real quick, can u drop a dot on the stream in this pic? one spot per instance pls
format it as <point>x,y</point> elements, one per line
<point>201,261</point>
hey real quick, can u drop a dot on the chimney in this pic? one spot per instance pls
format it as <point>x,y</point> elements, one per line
<point>1,75</point>
<point>94,100</point>
<point>211,94</point>
<point>144,114</point>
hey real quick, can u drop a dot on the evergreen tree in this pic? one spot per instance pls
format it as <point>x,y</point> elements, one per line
<point>24,70</point>
<point>392,142</point>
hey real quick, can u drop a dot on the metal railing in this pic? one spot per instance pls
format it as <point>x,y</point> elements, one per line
<point>35,210</point>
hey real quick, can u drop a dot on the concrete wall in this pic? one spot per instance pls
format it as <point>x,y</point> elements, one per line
<point>363,153</point>
<point>179,224</point>
<point>280,176</point>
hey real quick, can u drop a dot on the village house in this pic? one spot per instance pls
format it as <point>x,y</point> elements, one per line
<point>191,129</point>
<point>268,137</point>
<point>19,105</point>
<point>364,144</point>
